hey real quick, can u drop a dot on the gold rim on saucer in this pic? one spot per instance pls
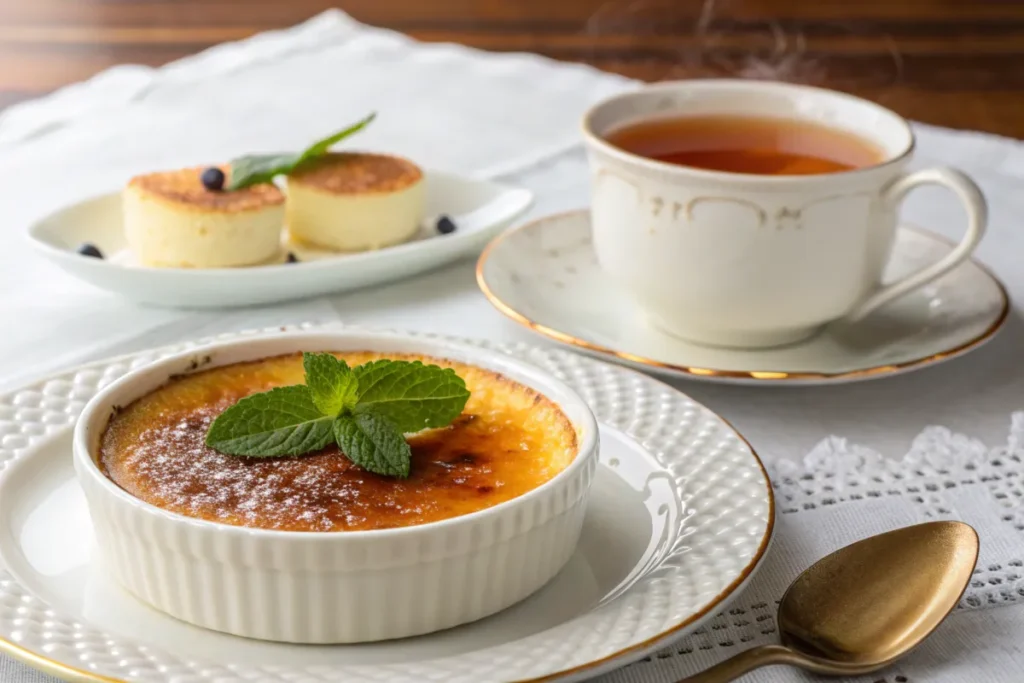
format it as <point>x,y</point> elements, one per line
<point>759,375</point>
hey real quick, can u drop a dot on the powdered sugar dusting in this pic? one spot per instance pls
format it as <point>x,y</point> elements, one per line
<point>156,451</point>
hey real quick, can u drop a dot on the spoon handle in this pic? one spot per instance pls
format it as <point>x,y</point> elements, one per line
<point>745,661</point>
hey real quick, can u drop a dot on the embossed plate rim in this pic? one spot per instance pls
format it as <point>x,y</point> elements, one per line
<point>596,664</point>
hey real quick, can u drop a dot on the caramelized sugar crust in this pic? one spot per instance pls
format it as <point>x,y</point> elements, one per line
<point>184,187</point>
<point>508,441</point>
<point>357,172</point>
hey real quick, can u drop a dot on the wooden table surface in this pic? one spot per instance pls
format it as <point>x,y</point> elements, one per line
<point>956,63</point>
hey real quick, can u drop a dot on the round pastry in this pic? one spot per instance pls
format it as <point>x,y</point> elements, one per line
<point>172,221</point>
<point>355,201</point>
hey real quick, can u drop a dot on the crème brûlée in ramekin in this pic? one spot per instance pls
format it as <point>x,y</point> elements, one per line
<point>312,548</point>
<point>355,201</point>
<point>508,441</point>
<point>172,221</point>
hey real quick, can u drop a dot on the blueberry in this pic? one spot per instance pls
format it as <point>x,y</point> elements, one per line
<point>445,225</point>
<point>292,258</point>
<point>91,250</point>
<point>213,179</point>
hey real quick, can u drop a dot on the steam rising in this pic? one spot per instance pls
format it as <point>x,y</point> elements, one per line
<point>724,38</point>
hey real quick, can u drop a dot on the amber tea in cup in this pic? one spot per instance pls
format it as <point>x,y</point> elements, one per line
<point>742,144</point>
<point>749,213</point>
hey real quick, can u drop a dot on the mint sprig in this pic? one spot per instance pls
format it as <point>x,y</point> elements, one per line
<point>332,384</point>
<point>254,169</point>
<point>411,395</point>
<point>372,442</point>
<point>365,410</point>
<point>282,421</point>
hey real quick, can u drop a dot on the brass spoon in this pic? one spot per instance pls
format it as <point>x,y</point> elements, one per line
<point>865,605</point>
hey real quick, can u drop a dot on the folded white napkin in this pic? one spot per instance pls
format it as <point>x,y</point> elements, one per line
<point>445,105</point>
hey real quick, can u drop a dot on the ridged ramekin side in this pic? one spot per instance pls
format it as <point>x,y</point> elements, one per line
<point>314,587</point>
<point>308,587</point>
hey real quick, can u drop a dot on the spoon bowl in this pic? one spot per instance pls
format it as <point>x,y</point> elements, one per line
<point>867,604</point>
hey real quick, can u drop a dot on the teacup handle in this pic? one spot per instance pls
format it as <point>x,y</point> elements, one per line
<point>977,217</point>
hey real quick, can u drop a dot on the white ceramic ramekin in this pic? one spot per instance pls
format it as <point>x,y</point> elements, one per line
<point>339,587</point>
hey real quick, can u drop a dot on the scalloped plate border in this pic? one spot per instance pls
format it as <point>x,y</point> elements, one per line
<point>594,667</point>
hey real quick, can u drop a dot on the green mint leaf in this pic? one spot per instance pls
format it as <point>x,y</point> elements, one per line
<point>373,443</point>
<point>282,421</point>
<point>262,168</point>
<point>366,410</point>
<point>332,385</point>
<point>413,396</point>
<point>320,147</point>
<point>259,168</point>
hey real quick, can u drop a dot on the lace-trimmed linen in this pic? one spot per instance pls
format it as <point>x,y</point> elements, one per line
<point>842,492</point>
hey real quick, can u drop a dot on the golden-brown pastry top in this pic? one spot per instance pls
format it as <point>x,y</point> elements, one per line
<point>357,173</point>
<point>184,187</point>
<point>508,441</point>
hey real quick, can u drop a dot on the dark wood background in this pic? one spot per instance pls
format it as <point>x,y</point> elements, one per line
<point>957,63</point>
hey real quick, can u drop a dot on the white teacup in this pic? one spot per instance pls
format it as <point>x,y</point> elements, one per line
<point>734,259</point>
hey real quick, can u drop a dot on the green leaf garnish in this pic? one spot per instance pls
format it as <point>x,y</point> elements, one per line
<point>259,168</point>
<point>320,147</point>
<point>332,384</point>
<point>372,442</point>
<point>254,169</point>
<point>365,409</point>
<point>282,421</point>
<point>412,395</point>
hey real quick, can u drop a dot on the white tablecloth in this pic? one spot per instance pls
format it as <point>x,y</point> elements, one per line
<point>513,117</point>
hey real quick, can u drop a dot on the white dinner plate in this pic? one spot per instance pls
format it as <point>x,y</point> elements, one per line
<point>544,275</point>
<point>680,516</point>
<point>479,208</point>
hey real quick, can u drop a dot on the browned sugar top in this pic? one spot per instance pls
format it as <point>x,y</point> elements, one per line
<point>357,172</point>
<point>508,441</point>
<point>185,188</point>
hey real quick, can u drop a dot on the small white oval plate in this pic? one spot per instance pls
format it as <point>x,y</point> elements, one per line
<point>544,275</point>
<point>479,208</point>
<point>649,566</point>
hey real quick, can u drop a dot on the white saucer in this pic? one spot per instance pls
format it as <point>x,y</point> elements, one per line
<point>544,275</point>
<point>479,208</point>
<point>680,516</point>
